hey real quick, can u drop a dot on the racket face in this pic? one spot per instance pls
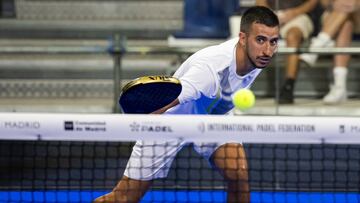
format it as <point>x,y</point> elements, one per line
<point>147,94</point>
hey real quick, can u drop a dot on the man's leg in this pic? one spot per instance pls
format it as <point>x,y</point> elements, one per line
<point>127,190</point>
<point>149,160</point>
<point>230,159</point>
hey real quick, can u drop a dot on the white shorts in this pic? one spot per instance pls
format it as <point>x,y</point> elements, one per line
<point>303,22</point>
<point>152,159</point>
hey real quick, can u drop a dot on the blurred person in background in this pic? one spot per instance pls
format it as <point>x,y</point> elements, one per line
<point>296,26</point>
<point>338,23</point>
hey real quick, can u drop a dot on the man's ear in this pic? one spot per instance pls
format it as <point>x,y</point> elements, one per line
<point>242,38</point>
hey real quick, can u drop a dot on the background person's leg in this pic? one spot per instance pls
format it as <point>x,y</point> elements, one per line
<point>293,39</point>
<point>332,24</point>
<point>338,91</point>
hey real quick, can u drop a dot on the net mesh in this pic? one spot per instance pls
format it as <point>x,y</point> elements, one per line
<point>81,170</point>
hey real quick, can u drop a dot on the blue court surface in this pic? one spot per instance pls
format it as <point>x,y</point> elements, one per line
<point>181,196</point>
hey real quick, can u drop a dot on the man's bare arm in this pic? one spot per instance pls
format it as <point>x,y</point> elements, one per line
<point>165,108</point>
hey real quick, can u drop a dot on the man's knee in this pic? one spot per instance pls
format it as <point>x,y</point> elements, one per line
<point>238,181</point>
<point>130,190</point>
<point>239,173</point>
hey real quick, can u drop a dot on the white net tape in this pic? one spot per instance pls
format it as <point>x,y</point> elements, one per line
<point>120,127</point>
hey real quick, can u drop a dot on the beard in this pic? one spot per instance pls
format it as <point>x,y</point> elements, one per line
<point>252,62</point>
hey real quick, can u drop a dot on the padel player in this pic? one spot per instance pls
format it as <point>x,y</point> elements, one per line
<point>209,77</point>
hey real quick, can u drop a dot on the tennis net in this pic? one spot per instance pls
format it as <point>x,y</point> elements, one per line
<point>78,157</point>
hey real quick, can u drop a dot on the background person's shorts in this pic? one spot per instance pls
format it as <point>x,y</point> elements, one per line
<point>303,22</point>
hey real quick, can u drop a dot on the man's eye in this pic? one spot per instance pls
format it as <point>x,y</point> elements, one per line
<point>274,42</point>
<point>260,40</point>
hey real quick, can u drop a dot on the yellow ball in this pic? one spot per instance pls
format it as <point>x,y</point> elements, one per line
<point>243,99</point>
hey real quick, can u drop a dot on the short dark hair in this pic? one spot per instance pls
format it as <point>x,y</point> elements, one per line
<point>258,14</point>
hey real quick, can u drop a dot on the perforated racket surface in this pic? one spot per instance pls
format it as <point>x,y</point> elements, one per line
<point>147,94</point>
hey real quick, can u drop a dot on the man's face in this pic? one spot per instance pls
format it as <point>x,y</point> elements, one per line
<point>261,44</point>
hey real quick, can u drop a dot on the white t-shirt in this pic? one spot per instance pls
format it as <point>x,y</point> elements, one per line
<point>209,79</point>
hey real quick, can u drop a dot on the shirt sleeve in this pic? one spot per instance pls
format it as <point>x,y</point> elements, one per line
<point>198,80</point>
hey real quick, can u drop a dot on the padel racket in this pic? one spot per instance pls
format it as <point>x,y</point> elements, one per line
<point>148,94</point>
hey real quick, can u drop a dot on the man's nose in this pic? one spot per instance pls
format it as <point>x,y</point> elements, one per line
<point>268,51</point>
